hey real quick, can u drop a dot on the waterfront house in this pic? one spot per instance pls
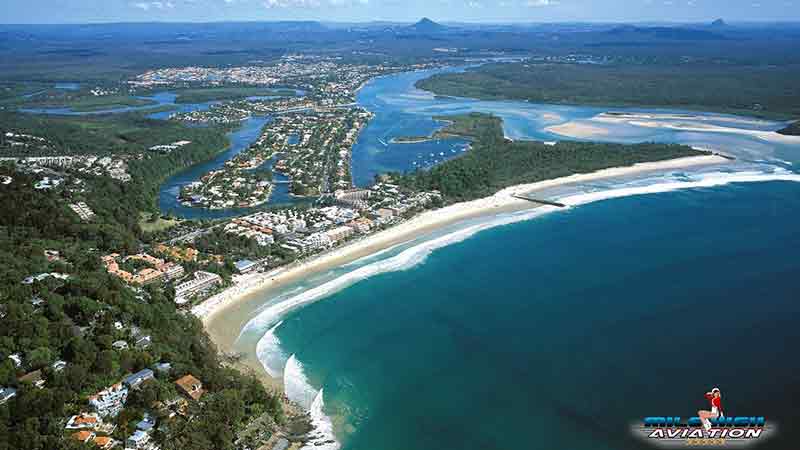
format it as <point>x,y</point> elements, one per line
<point>245,266</point>
<point>202,281</point>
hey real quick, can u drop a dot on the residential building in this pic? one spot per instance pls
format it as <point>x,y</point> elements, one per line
<point>202,281</point>
<point>82,210</point>
<point>143,341</point>
<point>34,378</point>
<point>109,401</point>
<point>104,442</point>
<point>190,386</point>
<point>339,233</point>
<point>172,271</point>
<point>245,266</point>
<point>317,241</point>
<point>133,381</point>
<point>119,345</point>
<point>138,440</point>
<point>361,225</point>
<point>6,394</point>
<point>83,421</point>
<point>83,436</point>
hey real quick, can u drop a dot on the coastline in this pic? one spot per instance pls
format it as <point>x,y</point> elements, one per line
<point>223,314</point>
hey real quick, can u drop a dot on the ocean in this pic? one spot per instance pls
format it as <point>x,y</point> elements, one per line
<point>559,331</point>
<point>553,328</point>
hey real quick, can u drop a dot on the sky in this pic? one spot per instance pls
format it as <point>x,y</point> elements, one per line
<point>84,11</point>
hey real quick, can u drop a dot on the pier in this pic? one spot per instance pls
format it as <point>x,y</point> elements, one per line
<point>539,200</point>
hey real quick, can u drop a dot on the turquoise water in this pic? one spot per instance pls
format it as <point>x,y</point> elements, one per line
<point>559,331</point>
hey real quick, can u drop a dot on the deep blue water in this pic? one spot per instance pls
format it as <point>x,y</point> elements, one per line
<point>558,332</point>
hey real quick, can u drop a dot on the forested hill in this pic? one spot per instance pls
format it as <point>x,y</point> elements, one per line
<point>495,163</point>
<point>768,91</point>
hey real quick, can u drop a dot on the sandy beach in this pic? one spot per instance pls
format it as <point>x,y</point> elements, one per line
<point>575,129</point>
<point>225,314</point>
<point>594,127</point>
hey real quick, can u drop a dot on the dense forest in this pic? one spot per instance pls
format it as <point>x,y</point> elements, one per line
<point>119,135</point>
<point>73,320</point>
<point>495,163</point>
<point>768,91</point>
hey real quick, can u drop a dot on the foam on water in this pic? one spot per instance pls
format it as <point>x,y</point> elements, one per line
<point>296,384</point>
<point>300,391</point>
<point>322,438</point>
<point>270,352</point>
<point>708,179</point>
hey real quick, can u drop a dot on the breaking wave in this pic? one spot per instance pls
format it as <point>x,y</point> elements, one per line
<point>296,384</point>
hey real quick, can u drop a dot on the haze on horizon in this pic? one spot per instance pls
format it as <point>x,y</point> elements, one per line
<point>88,11</point>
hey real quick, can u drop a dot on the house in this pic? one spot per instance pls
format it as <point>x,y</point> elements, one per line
<point>104,442</point>
<point>83,421</point>
<point>6,393</point>
<point>143,342</point>
<point>133,381</point>
<point>190,386</point>
<point>138,440</point>
<point>34,378</point>
<point>58,366</point>
<point>245,266</point>
<point>109,401</point>
<point>17,360</point>
<point>162,368</point>
<point>83,436</point>
<point>119,345</point>
<point>147,423</point>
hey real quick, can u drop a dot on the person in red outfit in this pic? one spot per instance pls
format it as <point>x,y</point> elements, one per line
<point>715,398</point>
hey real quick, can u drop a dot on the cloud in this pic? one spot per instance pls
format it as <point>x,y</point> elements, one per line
<point>540,3</point>
<point>147,6</point>
<point>311,3</point>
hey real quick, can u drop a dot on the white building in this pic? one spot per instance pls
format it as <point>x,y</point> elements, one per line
<point>202,281</point>
<point>110,401</point>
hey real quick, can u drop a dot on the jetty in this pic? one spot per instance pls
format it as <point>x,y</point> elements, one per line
<point>539,200</point>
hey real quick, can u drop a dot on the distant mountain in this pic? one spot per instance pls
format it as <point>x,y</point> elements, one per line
<point>669,33</point>
<point>719,23</point>
<point>426,26</point>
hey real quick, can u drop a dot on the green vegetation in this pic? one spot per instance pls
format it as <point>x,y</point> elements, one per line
<point>202,95</point>
<point>495,163</point>
<point>791,130</point>
<point>91,103</point>
<point>75,323</point>
<point>154,222</point>
<point>768,91</point>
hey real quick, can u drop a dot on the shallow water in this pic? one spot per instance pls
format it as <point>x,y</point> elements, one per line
<point>559,331</point>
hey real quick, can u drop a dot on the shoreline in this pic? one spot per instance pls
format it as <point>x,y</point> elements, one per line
<point>222,314</point>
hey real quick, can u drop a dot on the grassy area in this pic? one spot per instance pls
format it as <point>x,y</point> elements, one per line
<point>764,91</point>
<point>86,104</point>
<point>202,95</point>
<point>148,225</point>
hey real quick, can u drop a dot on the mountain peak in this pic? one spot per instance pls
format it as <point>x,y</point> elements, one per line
<point>426,25</point>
